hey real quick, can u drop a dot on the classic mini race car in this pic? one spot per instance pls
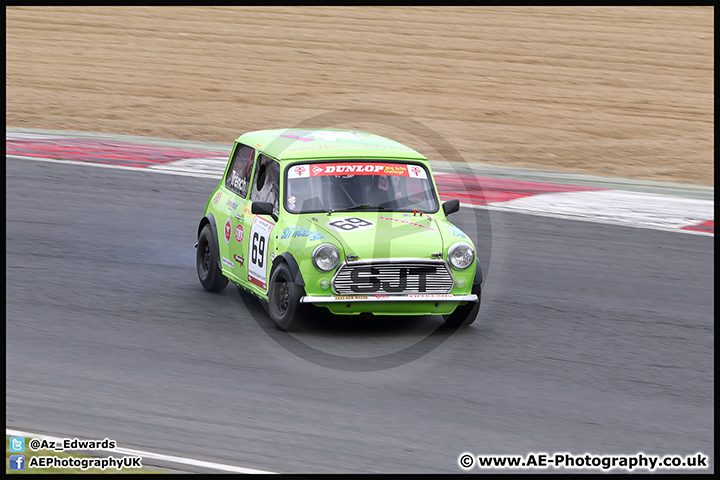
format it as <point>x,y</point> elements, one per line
<point>340,219</point>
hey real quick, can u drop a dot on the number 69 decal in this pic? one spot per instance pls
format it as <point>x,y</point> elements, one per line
<point>349,224</point>
<point>258,251</point>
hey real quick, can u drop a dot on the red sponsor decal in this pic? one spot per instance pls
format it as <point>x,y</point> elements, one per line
<point>228,230</point>
<point>430,295</point>
<point>257,282</point>
<point>239,233</point>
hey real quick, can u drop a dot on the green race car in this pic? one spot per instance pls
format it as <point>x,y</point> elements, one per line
<point>340,219</point>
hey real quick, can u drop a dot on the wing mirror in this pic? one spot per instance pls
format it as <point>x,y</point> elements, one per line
<point>451,206</point>
<point>263,208</point>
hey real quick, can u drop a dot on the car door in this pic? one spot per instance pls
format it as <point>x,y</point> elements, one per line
<point>259,254</point>
<point>235,211</point>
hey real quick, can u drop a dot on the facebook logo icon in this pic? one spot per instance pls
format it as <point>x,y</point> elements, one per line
<point>17,462</point>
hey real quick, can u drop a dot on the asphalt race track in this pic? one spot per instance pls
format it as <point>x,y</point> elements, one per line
<point>591,338</point>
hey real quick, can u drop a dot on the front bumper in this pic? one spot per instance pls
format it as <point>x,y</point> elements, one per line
<point>389,298</point>
<point>380,304</point>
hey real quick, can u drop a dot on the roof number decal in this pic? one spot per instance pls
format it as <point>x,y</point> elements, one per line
<point>348,224</point>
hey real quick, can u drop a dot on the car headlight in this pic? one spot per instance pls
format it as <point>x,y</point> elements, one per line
<point>461,255</point>
<point>325,257</point>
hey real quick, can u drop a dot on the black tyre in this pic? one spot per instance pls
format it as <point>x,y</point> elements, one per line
<point>284,297</point>
<point>208,263</point>
<point>465,315</point>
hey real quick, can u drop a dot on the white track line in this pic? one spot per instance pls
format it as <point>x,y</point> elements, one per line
<point>144,455</point>
<point>643,210</point>
<point>186,173</point>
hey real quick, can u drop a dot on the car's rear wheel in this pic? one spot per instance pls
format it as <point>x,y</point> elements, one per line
<point>284,297</point>
<point>207,262</point>
<point>464,315</point>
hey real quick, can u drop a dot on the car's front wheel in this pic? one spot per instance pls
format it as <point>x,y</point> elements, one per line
<point>208,268</point>
<point>284,297</point>
<point>464,315</point>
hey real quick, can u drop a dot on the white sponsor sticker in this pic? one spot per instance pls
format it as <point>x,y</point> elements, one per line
<point>299,171</point>
<point>416,171</point>
<point>258,251</point>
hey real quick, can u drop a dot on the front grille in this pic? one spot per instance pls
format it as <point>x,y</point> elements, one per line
<point>393,278</point>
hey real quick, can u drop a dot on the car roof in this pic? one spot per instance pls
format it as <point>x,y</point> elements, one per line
<point>314,144</point>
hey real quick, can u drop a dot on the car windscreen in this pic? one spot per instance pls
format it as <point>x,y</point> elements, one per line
<point>358,184</point>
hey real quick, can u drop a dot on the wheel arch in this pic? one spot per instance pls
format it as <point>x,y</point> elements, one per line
<point>288,258</point>
<point>478,272</point>
<point>209,219</point>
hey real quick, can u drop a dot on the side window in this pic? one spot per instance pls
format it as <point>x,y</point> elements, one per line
<point>238,175</point>
<point>266,187</point>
